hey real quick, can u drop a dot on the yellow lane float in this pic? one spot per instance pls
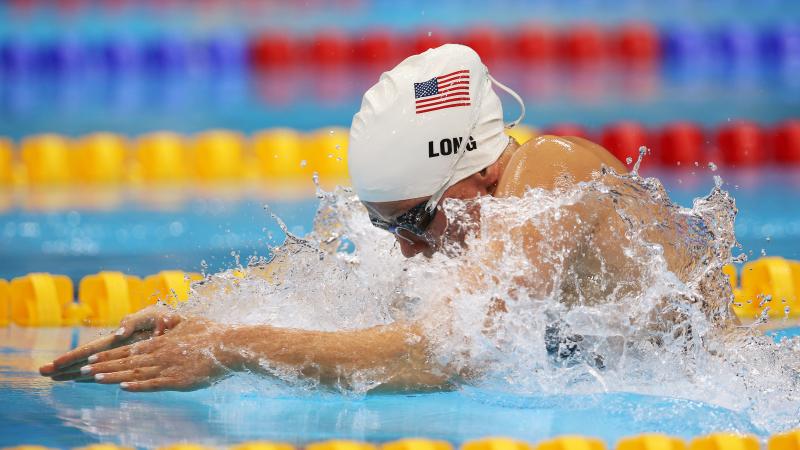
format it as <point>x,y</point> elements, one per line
<point>160,157</point>
<point>110,296</point>
<point>496,443</point>
<point>184,446</point>
<point>100,158</point>
<point>417,444</point>
<point>716,441</point>
<point>46,159</point>
<point>280,154</point>
<point>6,162</point>
<point>104,298</point>
<point>337,444</point>
<point>42,299</point>
<point>572,443</point>
<point>733,277</point>
<point>651,442</point>
<point>786,441</point>
<point>769,282</point>
<point>724,441</point>
<point>218,155</point>
<point>214,155</point>
<point>104,447</point>
<point>327,149</point>
<point>5,303</point>
<point>27,447</point>
<point>262,445</point>
<point>170,286</point>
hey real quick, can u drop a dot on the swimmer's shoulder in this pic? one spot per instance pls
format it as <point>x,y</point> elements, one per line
<point>550,161</point>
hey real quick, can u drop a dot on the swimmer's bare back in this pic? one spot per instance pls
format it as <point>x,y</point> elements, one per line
<point>550,161</point>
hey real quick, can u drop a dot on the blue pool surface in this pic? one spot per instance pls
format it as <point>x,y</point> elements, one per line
<point>35,410</point>
<point>75,231</point>
<point>142,238</point>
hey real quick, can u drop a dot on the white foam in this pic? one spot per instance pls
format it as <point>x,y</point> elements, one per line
<point>640,306</point>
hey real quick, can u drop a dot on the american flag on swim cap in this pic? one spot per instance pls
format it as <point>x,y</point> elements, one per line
<point>445,91</point>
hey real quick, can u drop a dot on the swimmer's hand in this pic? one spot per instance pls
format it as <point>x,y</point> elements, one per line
<point>151,321</point>
<point>197,352</point>
<point>186,358</point>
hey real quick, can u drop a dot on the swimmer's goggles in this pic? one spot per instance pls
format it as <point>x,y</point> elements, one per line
<point>416,220</point>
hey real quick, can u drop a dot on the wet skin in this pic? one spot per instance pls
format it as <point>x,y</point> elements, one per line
<point>156,349</point>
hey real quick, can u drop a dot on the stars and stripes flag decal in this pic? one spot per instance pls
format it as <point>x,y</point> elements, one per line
<point>445,91</point>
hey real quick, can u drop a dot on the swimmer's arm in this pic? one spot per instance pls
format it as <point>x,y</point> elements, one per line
<point>396,353</point>
<point>198,352</point>
<point>193,352</point>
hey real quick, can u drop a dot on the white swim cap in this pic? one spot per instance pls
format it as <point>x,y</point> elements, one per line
<point>425,125</point>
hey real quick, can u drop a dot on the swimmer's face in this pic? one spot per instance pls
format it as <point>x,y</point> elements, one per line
<point>439,232</point>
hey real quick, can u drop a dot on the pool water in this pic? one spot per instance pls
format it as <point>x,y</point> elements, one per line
<point>35,410</point>
<point>79,232</point>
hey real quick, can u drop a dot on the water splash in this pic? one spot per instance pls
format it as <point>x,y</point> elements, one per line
<point>607,286</point>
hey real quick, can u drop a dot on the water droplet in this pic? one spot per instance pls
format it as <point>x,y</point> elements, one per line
<point>338,146</point>
<point>643,150</point>
<point>628,160</point>
<point>712,166</point>
<point>763,252</point>
<point>768,238</point>
<point>303,163</point>
<point>330,132</point>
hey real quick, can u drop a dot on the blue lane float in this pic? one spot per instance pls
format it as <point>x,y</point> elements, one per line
<point>681,43</point>
<point>781,44</point>
<point>116,54</point>
<point>17,56</point>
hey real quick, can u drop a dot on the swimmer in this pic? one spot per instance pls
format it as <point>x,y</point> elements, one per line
<point>430,129</point>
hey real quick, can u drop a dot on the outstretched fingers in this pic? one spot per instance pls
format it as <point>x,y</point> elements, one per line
<point>77,355</point>
<point>138,348</point>
<point>138,374</point>
<point>111,355</point>
<point>118,365</point>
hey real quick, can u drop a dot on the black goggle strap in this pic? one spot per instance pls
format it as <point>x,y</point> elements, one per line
<point>434,200</point>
